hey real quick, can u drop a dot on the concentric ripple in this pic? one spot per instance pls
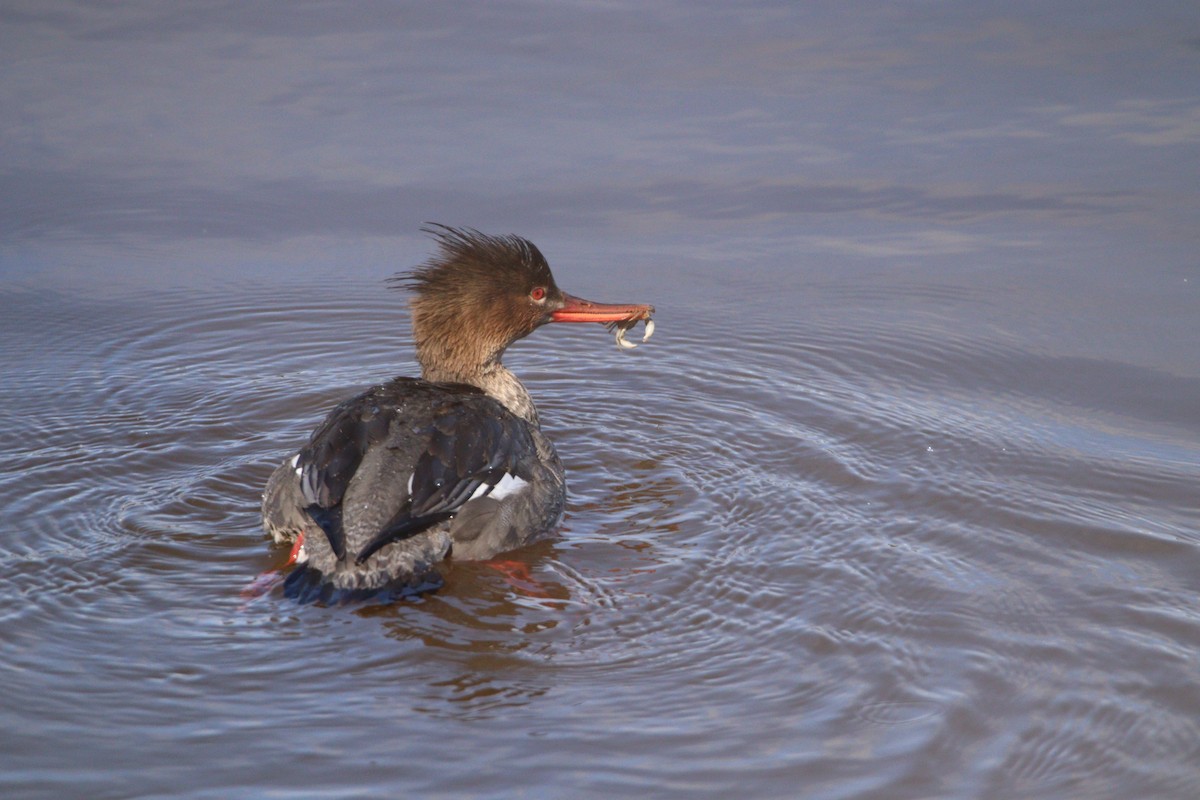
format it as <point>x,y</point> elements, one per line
<point>826,544</point>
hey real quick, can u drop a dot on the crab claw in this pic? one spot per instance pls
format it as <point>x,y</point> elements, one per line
<point>649,331</point>
<point>620,337</point>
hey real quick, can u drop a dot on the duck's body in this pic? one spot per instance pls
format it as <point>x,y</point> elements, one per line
<point>412,470</point>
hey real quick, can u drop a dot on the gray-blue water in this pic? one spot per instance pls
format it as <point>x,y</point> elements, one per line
<point>900,501</point>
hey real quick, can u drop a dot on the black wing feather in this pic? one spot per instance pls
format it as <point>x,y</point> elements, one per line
<point>330,522</point>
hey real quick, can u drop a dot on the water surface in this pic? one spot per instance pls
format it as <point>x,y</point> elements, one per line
<point>900,501</point>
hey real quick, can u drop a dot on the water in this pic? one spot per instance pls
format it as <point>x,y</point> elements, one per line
<point>900,501</point>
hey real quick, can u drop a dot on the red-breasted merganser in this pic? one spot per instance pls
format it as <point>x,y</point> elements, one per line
<point>454,463</point>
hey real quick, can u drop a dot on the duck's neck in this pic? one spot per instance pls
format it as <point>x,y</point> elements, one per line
<point>456,352</point>
<point>496,380</point>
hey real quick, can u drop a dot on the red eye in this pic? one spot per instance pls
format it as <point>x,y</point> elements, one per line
<point>538,294</point>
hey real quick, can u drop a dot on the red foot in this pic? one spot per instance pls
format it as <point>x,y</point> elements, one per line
<point>268,580</point>
<point>295,549</point>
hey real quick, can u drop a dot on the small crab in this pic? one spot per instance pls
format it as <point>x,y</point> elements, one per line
<point>621,328</point>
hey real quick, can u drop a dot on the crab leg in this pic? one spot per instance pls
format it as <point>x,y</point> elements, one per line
<point>621,328</point>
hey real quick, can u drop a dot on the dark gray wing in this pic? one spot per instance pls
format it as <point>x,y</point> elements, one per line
<point>330,460</point>
<point>473,443</point>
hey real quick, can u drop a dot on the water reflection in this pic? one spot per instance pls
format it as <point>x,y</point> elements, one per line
<point>477,695</point>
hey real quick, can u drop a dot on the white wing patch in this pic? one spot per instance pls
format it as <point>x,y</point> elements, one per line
<point>509,484</point>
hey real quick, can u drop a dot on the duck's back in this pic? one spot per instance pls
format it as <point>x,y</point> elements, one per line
<point>404,473</point>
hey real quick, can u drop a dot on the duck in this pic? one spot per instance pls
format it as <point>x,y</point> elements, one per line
<point>451,465</point>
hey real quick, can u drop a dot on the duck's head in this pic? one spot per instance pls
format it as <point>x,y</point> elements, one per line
<point>478,294</point>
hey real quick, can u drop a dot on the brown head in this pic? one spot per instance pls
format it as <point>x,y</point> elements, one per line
<point>478,294</point>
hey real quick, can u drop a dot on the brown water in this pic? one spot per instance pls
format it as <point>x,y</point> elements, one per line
<point>900,501</point>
